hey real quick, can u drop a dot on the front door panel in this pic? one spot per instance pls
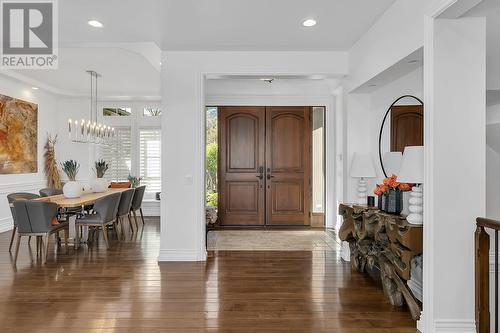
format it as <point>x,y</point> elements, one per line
<point>264,165</point>
<point>288,165</point>
<point>241,156</point>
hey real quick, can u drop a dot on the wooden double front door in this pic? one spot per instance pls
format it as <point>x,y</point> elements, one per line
<point>264,165</point>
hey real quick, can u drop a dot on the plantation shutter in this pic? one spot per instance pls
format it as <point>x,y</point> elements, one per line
<point>150,159</point>
<point>118,155</point>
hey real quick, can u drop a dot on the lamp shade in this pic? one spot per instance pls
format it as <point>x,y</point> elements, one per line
<point>412,165</point>
<point>362,166</point>
<point>392,162</point>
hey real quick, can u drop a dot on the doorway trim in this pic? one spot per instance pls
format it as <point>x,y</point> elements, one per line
<point>328,101</point>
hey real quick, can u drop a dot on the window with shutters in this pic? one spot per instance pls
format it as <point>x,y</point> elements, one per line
<point>118,155</point>
<point>150,159</point>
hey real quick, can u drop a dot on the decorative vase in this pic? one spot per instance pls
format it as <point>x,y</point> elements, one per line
<point>99,185</point>
<point>393,202</point>
<point>380,202</point>
<point>72,189</point>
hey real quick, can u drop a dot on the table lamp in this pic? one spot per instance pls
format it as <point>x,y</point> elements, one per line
<point>362,167</point>
<point>412,171</point>
<point>392,162</point>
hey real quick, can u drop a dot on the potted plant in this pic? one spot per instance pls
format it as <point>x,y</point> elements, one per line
<point>390,195</point>
<point>99,184</point>
<point>134,181</point>
<point>72,189</point>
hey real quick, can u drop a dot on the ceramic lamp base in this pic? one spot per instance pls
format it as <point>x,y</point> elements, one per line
<point>416,206</point>
<point>362,189</point>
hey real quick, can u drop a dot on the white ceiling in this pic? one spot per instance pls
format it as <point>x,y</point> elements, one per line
<point>125,73</point>
<point>221,24</point>
<point>127,50</point>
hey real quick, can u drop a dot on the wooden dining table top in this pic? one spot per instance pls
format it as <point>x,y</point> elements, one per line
<point>84,199</point>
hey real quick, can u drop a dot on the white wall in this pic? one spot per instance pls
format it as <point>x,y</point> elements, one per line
<point>77,108</point>
<point>365,113</point>
<point>396,34</point>
<point>493,161</point>
<point>455,142</point>
<point>381,99</point>
<point>183,216</point>
<point>47,106</point>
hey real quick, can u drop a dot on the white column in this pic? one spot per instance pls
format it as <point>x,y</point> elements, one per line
<point>455,86</point>
<point>182,202</point>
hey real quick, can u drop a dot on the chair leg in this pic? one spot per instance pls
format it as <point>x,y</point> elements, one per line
<point>130,223</point>
<point>142,216</point>
<point>17,248</point>
<point>46,248</point>
<point>115,228</point>
<point>135,219</point>
<point>12,238</point>
<point>66,232</point>
<point>29,239</point>
<point>105,234</point>
<point>77,237</point>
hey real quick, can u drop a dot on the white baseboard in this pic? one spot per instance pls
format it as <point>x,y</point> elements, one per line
<point>151,208</point>
<point>6,224</point>
<point>181,255</point>
<point>454,326</point>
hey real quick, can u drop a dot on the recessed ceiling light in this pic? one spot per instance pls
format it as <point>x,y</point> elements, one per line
<point>309,23</point>
<point>95,24</point>
<point>34,88</point>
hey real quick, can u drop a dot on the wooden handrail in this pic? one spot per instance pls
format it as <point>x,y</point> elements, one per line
<point>482,258</point>
<point>488,223</point>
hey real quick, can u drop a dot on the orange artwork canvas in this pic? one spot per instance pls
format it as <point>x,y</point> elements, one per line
<point>18,136</point>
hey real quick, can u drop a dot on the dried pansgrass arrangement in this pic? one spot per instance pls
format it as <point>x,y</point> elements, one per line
<point>50,167</point>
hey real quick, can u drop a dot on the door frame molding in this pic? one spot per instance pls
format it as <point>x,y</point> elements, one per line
<point>328,101</point>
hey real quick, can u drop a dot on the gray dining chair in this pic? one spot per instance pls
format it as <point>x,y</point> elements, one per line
<point>47,192</point>
<point>124,209</point>
<point>105,209</point>
<point>137,203</point>
<point>11,198</point>
<point>34,218</point>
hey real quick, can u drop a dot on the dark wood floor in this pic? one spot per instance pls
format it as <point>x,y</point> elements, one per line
<point>124,289</point>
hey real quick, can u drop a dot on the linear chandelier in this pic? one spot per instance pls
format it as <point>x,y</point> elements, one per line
<point>89,131</point>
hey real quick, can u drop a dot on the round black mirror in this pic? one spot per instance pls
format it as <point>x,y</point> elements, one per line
<point>403,128</point>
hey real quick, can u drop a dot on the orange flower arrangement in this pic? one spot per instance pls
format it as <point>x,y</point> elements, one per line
<point>391,183</point>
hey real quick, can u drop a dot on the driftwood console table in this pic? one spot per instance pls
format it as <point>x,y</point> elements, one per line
<point>385,243</point>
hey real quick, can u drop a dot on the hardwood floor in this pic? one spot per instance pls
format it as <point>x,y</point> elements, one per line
<point>125,289</point>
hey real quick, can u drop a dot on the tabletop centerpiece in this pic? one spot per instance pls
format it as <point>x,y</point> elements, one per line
<point>99,184</point>
<point>390,195</point>
<point>72,188</point>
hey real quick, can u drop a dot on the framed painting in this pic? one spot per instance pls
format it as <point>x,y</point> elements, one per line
<point>18,136</point>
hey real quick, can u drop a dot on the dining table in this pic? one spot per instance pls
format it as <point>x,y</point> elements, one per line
<point>86,199</point>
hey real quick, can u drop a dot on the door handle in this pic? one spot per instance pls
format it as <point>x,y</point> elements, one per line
<point>269,175</point>
<point>261,173</point>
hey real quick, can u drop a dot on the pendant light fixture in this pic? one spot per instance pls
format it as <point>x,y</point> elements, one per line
<point>90,131</point>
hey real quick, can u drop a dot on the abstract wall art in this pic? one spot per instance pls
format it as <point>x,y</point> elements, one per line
<point>18,136</point>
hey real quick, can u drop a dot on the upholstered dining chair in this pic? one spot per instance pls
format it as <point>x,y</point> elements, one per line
<point>36,218</point>
<point>105,209</point>
<point>137,203</point>
<point>47,192</point>
<point>124,208</point>
<point>11,198</point>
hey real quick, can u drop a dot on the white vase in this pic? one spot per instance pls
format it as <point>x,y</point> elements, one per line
<point>99,184</point>
<point>72,189</point>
